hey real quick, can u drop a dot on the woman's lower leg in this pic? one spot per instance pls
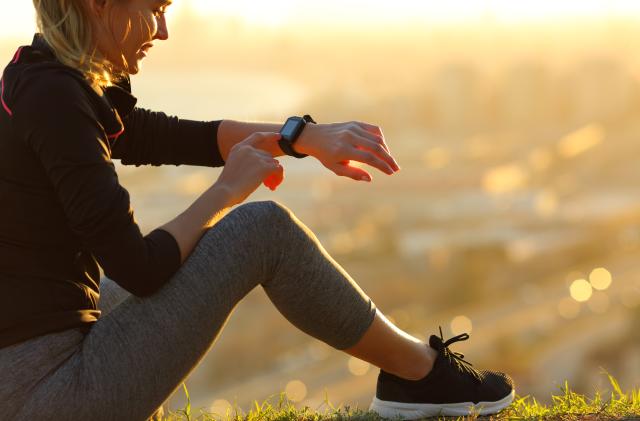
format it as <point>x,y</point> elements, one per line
<point>393,350</point>
<point>319,297</point>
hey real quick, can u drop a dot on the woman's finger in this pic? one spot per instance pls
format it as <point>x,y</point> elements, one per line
<point>343,169</point>
<point>270,164</point>
<point>369,158</point>
<point>262,140</point>
<point>374,133</point>
<point>266,156</point>
<point>371,128</point>
<point>366,144</point>
<point>367,134</point>
<point>273,180</point>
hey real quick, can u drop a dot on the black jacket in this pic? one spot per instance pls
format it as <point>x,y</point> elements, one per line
<point>63,213</point>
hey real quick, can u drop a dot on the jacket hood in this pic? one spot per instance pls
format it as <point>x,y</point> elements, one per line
<point>38,59</point>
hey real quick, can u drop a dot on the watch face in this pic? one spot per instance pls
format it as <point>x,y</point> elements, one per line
<point>289,129</point>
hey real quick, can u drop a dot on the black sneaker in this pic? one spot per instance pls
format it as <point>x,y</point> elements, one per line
<point>452,388</point>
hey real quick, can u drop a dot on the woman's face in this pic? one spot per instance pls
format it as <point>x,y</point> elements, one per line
<point>126,30</point>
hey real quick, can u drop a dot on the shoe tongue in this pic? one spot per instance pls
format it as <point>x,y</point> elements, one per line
<point>436,343</point>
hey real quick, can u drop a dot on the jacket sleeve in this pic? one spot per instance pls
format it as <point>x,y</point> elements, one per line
<point>59,124</point>
<point>157,139</point>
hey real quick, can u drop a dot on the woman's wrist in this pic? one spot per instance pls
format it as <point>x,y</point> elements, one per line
<point>304,144</point>
<point>231,132</point>
<point>223,193</point>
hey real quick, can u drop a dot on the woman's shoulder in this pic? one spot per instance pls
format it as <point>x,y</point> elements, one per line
<point>30,83</point>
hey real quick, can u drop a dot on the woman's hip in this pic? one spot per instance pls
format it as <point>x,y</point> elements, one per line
<point>26,364</point>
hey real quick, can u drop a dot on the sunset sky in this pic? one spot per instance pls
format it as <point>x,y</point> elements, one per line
<point>17,20</point>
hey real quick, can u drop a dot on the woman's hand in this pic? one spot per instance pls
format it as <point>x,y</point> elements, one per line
<point>248,165</point>
<point>336,145</point>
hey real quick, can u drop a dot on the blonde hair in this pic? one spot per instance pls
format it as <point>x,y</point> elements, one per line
<point>66,26</point>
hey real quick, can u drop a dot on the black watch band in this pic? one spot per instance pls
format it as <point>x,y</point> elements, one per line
<point>290,132</point>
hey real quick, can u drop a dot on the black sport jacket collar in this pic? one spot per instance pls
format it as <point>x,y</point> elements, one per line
<point>119,94</point>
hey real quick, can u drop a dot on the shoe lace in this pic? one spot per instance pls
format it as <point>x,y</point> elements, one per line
<point>456,358</point>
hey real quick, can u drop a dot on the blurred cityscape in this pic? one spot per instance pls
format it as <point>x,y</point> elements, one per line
<point>516,216</point>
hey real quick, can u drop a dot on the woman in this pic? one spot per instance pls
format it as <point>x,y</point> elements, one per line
<point>73,346</point>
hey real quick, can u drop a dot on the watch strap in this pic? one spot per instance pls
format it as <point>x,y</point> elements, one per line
<point>287,145</point>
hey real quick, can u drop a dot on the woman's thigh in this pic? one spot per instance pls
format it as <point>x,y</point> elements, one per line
<point>137,354</point>
<point>111,296</point>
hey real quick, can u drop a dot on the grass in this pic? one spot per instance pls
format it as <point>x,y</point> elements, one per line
<point>566,406</point>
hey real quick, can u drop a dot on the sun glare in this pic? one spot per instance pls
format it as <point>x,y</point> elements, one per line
<point>271,13</point>
<point>278,12</point>
<point>368,12</point>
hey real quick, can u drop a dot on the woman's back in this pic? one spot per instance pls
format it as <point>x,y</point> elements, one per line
<point>46,281</point>
<point>66,215</point>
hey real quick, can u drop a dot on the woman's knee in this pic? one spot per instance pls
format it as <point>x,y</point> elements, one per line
<point>267,213</point>
<point>270,223</point>
<point>253,223</point>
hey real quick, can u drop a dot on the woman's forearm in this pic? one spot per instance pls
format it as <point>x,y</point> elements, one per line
<point>188,227</point>
<point>231,132</point>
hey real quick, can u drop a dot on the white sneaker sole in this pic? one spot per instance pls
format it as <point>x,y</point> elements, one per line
<point>412,411</point>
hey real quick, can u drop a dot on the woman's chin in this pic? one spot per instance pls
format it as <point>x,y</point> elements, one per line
<point>134,68</point>
<point>135,64</point>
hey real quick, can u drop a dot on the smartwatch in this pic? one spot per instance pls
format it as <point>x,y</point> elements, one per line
<point>290,133</point>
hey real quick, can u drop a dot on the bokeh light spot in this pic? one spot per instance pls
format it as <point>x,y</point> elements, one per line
<point>461,324</point>
<point>521,250</point>
<point>540,159</point>
<point>581,290</point>
<point>599,302</point>
<point>505,179</point>
<point>568,308</point>
<point>319,350</point>
<point>402,318</point>
<point>546,204</point>
<point>436,158</point>
<point>220,407</point>
<point>581,140</point>
<point>194,183</point>
<point>358,367</point>
<point>342,242</point>
<point>296,390</point>
<point>631,297</point>
<point>600,279</point>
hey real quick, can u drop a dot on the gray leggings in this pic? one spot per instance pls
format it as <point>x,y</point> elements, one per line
<point>141,349</point>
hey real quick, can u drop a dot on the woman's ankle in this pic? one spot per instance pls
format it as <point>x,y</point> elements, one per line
<point>417,366</point>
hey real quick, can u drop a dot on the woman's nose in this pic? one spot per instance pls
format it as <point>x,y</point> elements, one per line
<point>163,32</point>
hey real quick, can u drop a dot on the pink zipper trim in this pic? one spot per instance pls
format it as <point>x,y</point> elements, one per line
<point>17,55</point>
<point>4,104</point>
